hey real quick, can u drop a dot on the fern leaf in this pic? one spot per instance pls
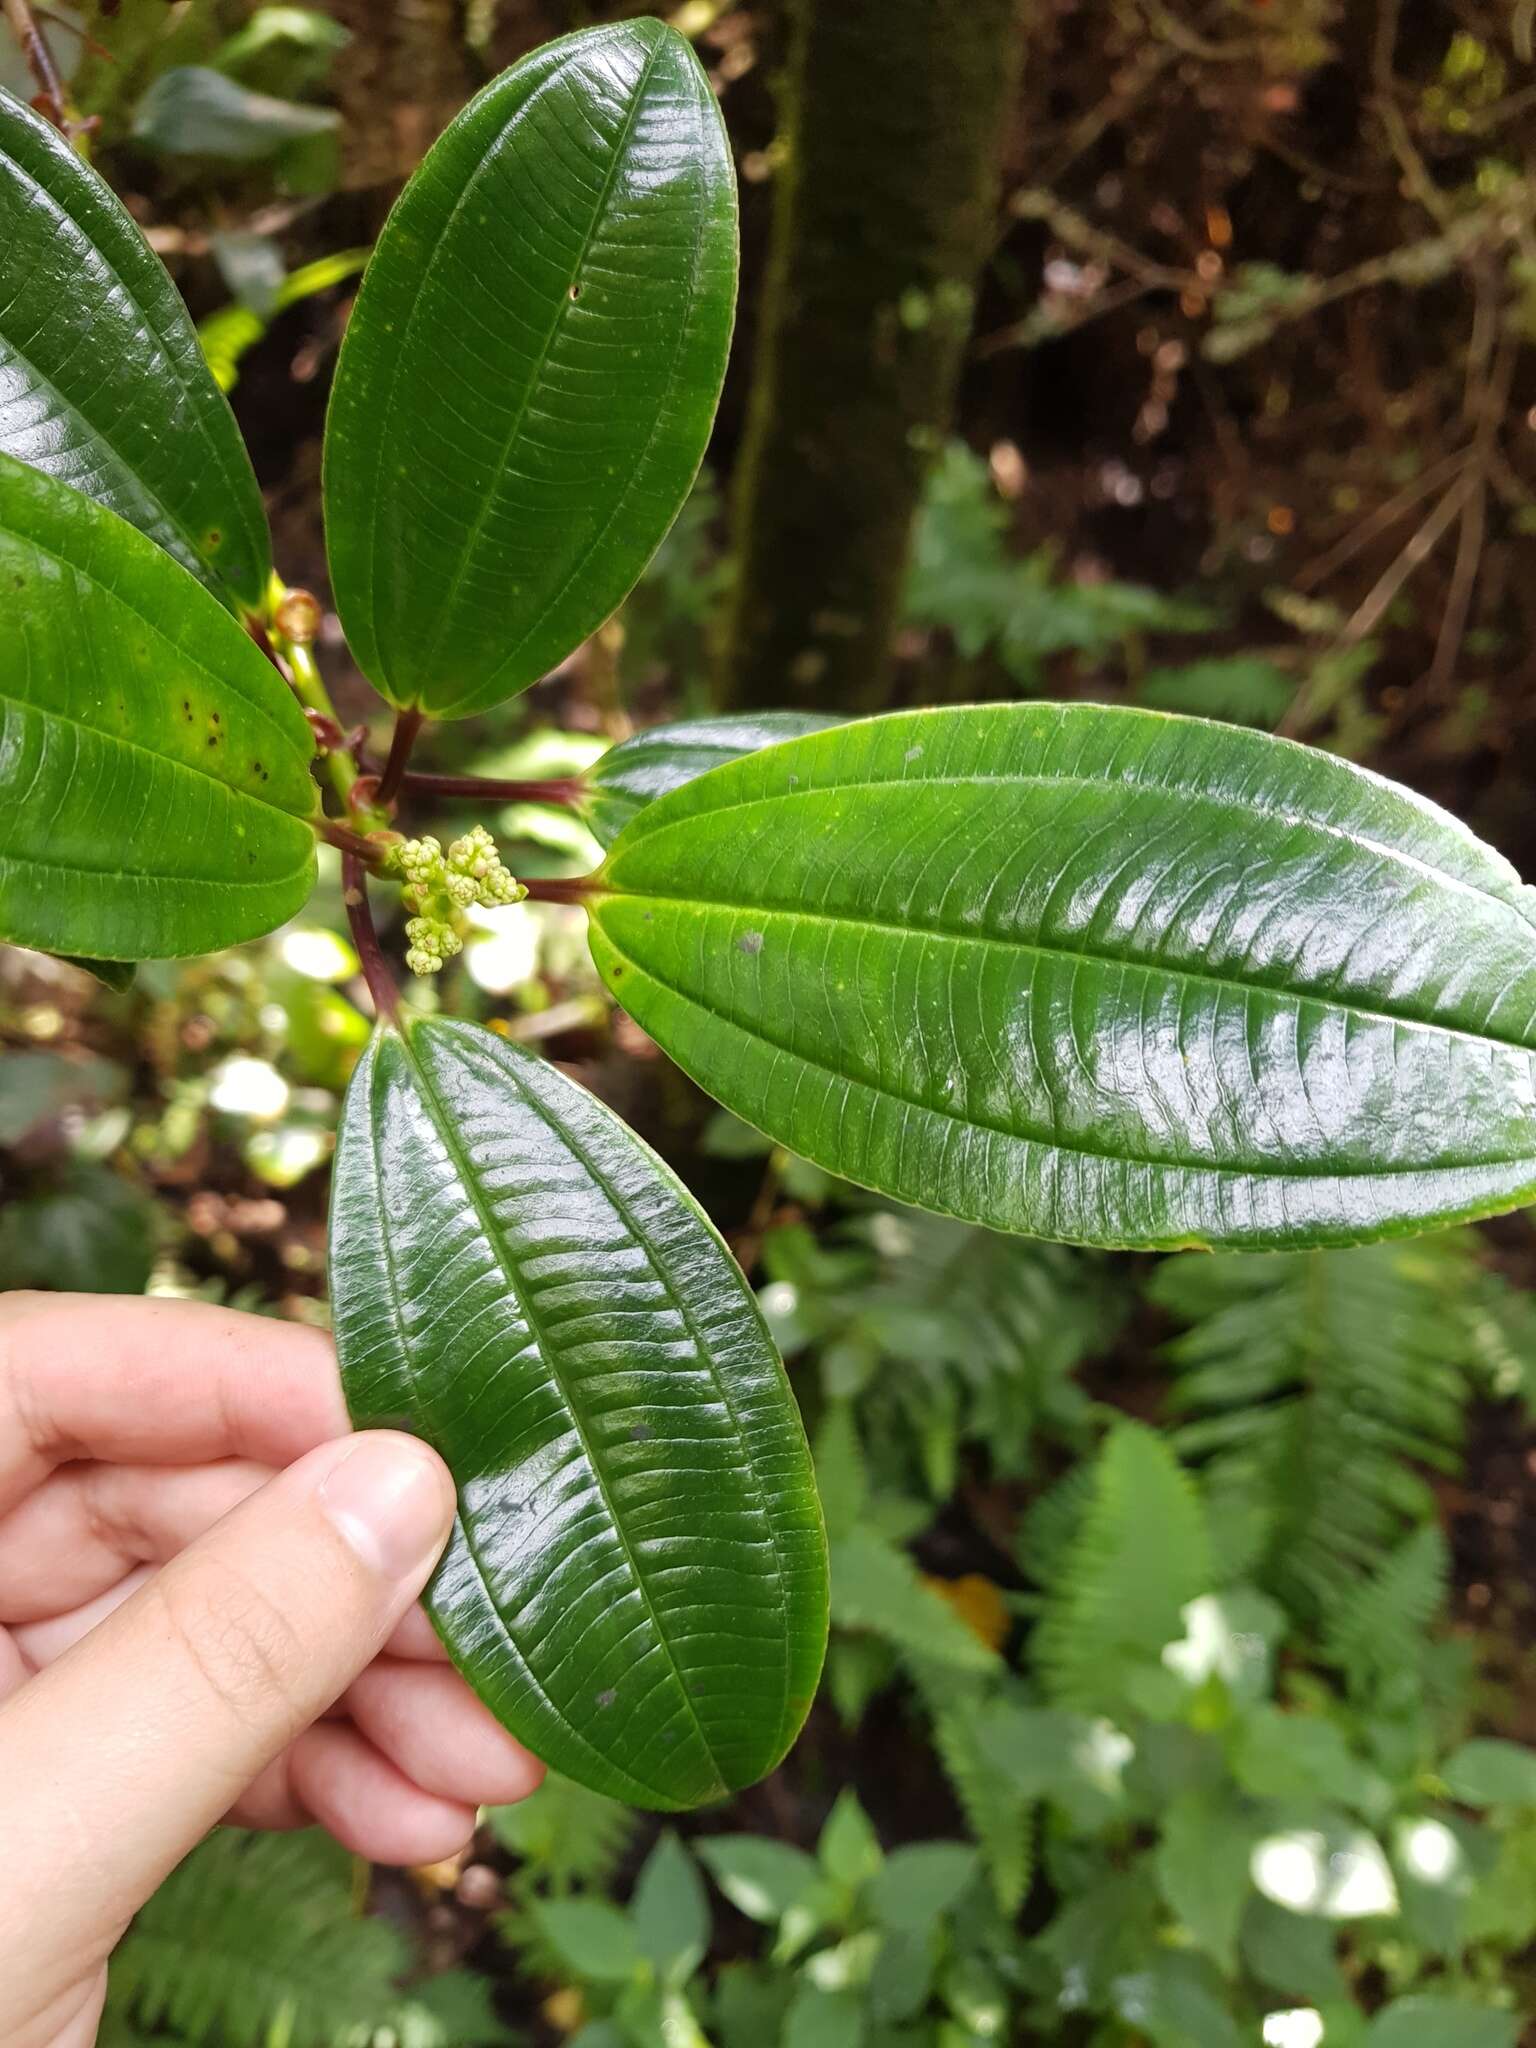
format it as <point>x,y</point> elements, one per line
<point>1378,1631</point>
<point>256,1936</point>
<point>998,1815</point>
<point>1315,1385</point>
<point>1141,1554</point>
<point>876,1586</point>
<point>568,1838</point>
<point>1050,1527</point>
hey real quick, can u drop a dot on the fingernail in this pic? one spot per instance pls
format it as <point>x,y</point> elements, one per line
<point>388,1501</point>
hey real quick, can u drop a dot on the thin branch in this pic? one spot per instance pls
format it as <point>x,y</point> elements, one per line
<point>381,983</point>
<point>346,841</point>
<point>565,790</point>
<point>1368,615</point>
<point>408,725</point>
<point>1490,375</point>
<point>40,62</point>
<point>1387,515</point>
<point>559,888</point>
<point>1415,171</point>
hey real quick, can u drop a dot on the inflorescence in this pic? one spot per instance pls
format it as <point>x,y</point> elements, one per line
<point>440,887</point>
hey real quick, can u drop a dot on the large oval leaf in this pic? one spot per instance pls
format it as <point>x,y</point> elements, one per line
<point>154,778</point>
<point>530,374</point>
<point>636,1583</point>
<point>1093,974</point>
<point>637,771</point>
<point>102,381</point>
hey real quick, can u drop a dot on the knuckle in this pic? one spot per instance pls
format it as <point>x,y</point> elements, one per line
<point>245,1653</point>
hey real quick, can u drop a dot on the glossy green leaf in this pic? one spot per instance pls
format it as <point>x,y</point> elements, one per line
<point>102,382</point>
<point>154,769</point>
<point>1092,974</point>
<point>637,771</point>
<point>530,375</point>
<point>637,1581</point>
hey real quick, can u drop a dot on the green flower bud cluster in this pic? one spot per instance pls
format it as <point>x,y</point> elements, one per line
<point>440,887</point>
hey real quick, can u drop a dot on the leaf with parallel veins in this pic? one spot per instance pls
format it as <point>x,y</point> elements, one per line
<point>102,381</point>
<point>637,771</point>
<point>155,793</point>
<point>1093,974</point>
<point>636,1583</point>
<point>531,372</point>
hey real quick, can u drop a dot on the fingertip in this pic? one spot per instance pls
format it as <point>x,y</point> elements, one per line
<point>371,1808</point>
<point>391,1499</point>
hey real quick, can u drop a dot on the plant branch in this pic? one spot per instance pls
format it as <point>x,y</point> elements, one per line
<point>297,661</point>
<point>407,726</point>
<point>381,983</point>
<point>34,48</point>
<point>559,888</point>
<point>345,840</point>
<point>566,790</point>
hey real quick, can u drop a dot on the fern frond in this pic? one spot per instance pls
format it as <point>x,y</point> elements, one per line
<point>876,1586</point>
<point>1051,1523</point>
<point>986,1331</point>
<point>568,1838</point>
<point>1140,1555</point>
<point>1379,1630</point>
<point>1314,1384</point>
<point>256,1937</point>
<point>998,1815</point>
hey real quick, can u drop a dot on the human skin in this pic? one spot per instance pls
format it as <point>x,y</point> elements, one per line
<point>207,1612</point>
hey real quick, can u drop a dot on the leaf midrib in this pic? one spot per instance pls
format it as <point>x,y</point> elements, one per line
<point>48,714</point>
<point>701,1349</point>
<point>1087,955</point>
<point>548,1354</point>
<point>234,481</point>
<point>1053,1142</point>
<point>221,678</point>
<point>514,119</point>
<point>1245,807</point>
<point>425,1404</point>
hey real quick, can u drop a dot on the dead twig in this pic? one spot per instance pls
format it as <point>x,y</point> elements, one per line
<point>26,28</point>
<point>1369,614</point>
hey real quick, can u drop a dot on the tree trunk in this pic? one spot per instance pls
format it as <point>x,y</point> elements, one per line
<point>894,114</point>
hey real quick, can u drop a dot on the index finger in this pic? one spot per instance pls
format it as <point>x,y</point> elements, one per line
<point>161,1382</point>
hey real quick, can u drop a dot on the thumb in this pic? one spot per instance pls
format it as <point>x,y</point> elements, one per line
<point>120,1756</point>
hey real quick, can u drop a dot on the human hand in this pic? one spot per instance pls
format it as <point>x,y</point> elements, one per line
<point>206,1613</point>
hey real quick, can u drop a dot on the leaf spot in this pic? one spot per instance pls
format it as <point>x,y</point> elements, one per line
<point>912,754</point>
<point>750,942</point>
<point>606,1699</point>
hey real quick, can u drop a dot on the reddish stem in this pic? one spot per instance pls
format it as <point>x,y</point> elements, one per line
<point>407,725</point>
<point>39,60</point>
<point>559,888</point>
<point>567,790</point>
<point>381,983</point>
<point>354,845</point>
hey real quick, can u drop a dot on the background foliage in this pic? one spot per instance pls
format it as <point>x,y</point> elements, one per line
<point>1180,1684</point>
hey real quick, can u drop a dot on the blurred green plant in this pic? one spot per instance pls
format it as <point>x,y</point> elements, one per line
<point>260,1941</point>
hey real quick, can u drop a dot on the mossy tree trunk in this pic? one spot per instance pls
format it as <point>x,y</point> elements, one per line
<point>894,113</point>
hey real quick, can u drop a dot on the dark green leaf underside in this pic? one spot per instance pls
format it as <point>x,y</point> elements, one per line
<point>531,371</point>
<point>636,1584</point>
<point>154,780</point>
<point>1092,974</point>
<point>113,974</point>
<point>102,381</point>
<point>636,772</point>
